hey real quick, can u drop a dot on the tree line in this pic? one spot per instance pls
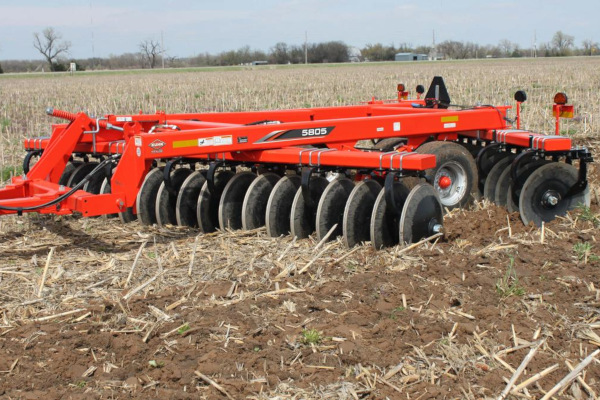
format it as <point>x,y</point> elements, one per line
<point>149,53</point>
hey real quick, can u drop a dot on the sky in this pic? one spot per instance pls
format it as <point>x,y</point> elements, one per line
<point>102,28</point>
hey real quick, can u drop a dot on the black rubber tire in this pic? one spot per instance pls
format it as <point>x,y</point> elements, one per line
<point>331,208</point>
<point>556,178</point>
<point>452,157</point>
<point>388,144</point>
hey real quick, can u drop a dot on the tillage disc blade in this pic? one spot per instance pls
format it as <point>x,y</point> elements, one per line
<point>166,200</point>
<point>303,217</point>
<point>501,191</point>
<point>232,199</point>
<point>545,194</point>
<point>146,199</point>
<point>69,168</point>
<point>125,216</point>
<point>491,181</point>
<point>384,222</point>
<point>331,207</point>
<point>187,199</point>
<point>105,189</point>
<point>514,188</point>
<point>80,172</point>
<point>486,163</point>
<point>279,206</point>
<point>422,214</point>
<point>357,214</point>
<point>255,202</point>
<point>207,209</point>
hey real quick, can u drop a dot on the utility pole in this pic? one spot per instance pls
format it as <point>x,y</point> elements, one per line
<point>162,49</point>
<point>534,44</point>
<point>305,47</point>
<point>92,27</point>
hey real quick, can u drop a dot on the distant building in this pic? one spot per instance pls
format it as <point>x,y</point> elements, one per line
<point>411,57</point>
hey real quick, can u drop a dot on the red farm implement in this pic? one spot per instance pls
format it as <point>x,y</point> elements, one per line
<point>303,170</point>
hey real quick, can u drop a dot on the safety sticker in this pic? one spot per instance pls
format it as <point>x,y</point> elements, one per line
<point>124,119</point>
<point>396,126</point>
<point>223,140</point>
<point>205,142</point>
<point>450,125</point>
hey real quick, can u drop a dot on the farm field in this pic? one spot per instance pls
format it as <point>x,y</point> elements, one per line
<point>130,311</point>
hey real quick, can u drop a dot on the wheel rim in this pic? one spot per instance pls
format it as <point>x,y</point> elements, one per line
<point>451,183</point>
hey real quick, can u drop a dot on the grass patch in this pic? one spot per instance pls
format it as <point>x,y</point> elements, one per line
<point>509,284</point>
<point>311,336</point>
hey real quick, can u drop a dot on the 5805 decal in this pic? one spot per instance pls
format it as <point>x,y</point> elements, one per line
<point>296,134</point>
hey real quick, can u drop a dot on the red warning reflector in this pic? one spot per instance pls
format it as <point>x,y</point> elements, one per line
<point>562,111</point>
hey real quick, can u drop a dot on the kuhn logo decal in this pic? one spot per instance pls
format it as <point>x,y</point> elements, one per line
<point>157,146</point>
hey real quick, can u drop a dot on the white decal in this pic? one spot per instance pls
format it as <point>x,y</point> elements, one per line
<point>137,141</point>
<point>450,125</point>
<point>380,129</point>
<point>223,140</point>
<point>205,142</point>
<point>124,119</point>
<point>396,126</point>
<point>138,151</point>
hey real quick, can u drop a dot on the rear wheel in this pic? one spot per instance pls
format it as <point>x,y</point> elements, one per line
<point>455,174</point>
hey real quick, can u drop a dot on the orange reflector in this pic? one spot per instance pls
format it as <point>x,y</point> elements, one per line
<point>562,111</point>
<point>561,98</point>
<point>401,87</point>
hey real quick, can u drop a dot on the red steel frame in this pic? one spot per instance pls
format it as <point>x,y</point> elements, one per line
<point>140,139</point>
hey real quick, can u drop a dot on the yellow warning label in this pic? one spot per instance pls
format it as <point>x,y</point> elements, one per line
<point>450,118</point>
<point>185,143</point>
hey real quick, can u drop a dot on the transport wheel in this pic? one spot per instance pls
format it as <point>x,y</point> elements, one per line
<point>485,161</point>
<point>455,175</point>
<point>302,216</point>
<point>279,206</point>
<point>145,203</point>
<point>545,194</point>
<point>358,210</point>
<point>255,201</point>
<point>69,168</point>
<point>331,208</point>
<point>384,222</point>
<point>422,214</point>
<point>514,188</point>
<point>232,199</point>
<point>207,209</point>
<point>187,199</point>
<point>80,172</point>
<point>166,200</point>
<point>491,181</point>
<point>389,144</point>
<point>125,216</point>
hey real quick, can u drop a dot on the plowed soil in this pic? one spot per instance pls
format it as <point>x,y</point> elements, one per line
<point>247,316</point>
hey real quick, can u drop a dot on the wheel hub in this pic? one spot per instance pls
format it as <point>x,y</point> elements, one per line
<point>445,182</point>
<point>550,198</point>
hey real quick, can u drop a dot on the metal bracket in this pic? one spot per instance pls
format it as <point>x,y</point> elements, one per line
<point>305,186</point>
<point>167,174</point>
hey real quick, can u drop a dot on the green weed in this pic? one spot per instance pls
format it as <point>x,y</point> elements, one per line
<point>509,284</point>
<point>311,336</point>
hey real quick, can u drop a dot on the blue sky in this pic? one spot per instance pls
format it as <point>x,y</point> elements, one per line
<point>100,28</point>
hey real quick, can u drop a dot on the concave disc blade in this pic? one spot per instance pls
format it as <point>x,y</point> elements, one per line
<point>514,188</point>
<point>207,209</point>
<point>145,202</point>
<point>69,168</point>
<point>358,210</point>
<point>232,199</point>
<point>303,217</point>
<point>486,163</point>
<point>384,222</point>
<point>277,217</point>
<point>80,172</point>
<point>105,189</point>
<point>95,183</point>
<point>546,185</point>
<point>255,202</point>
<point>422,211</point>
<point>489,189</point>
<point>125,216</point>
<point>501,191</point>
<point>166,200</point>
<point>331,208</point>
<point>187,199</point>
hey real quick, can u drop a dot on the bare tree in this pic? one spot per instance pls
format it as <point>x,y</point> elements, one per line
<point>589,47</point>
<point>507,47</point>
<point>150,50</point>
<point>562,43</point>
<point>50,46</point>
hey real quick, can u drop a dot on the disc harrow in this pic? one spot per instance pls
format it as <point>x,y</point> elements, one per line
<point>302,172</point>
